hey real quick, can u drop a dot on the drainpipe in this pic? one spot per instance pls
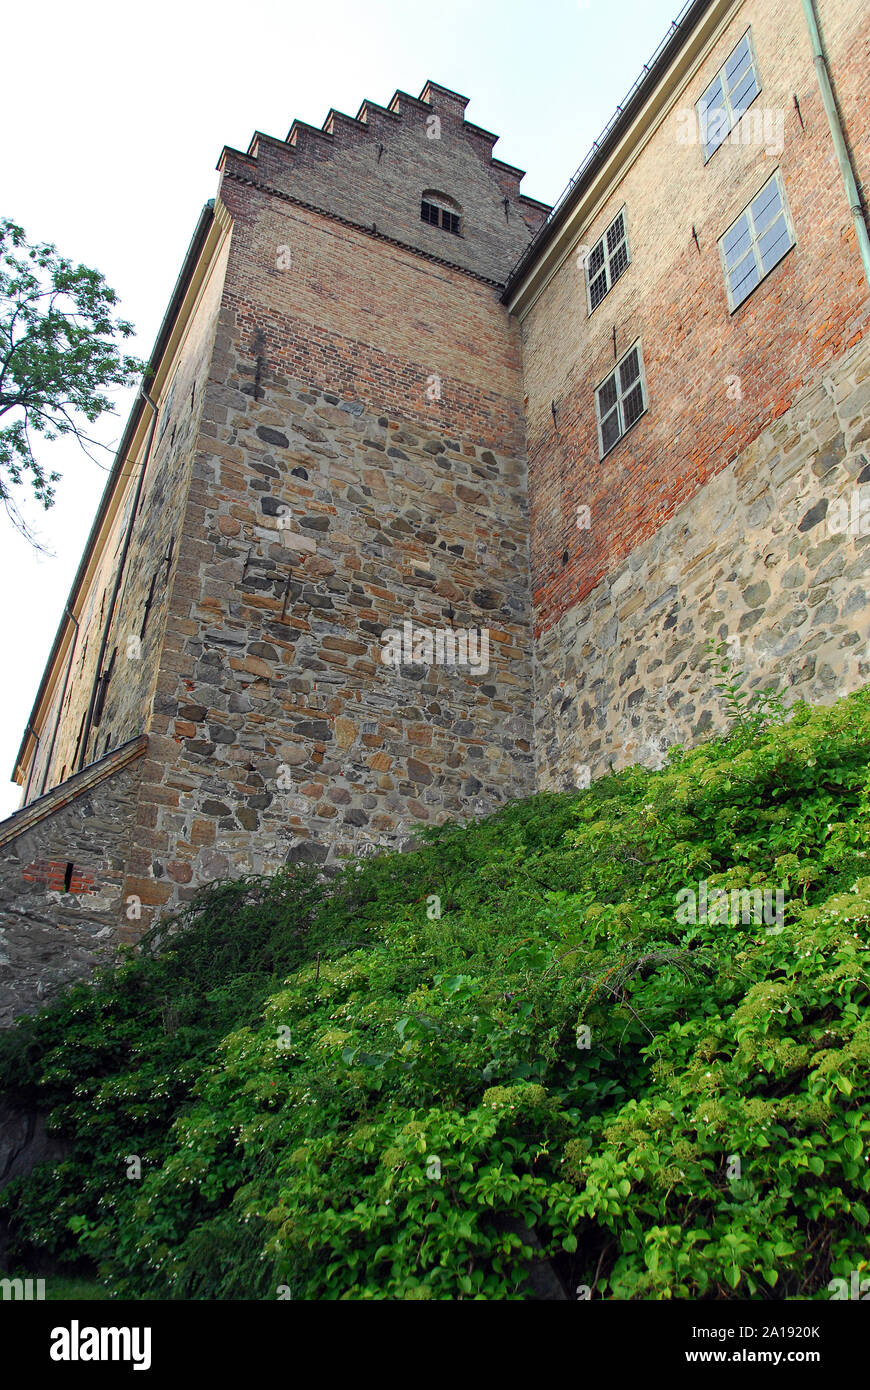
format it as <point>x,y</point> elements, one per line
<point>104,640</point>
<point>837,136</point>
<point>72,652</point>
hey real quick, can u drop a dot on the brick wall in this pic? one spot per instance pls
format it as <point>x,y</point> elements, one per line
<point>373,171</point>
<point>714,379</point>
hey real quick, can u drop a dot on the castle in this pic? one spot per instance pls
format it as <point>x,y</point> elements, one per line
<point>393,395</point>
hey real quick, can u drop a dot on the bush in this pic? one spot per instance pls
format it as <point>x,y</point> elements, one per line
<point>511,1044</point>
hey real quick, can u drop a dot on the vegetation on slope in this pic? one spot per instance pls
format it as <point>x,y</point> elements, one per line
<point>337,1092</point>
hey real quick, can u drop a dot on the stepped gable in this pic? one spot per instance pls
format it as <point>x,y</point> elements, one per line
<point>372,169</point>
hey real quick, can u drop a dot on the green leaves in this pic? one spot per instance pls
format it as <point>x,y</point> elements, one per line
<point>557,1067</point>
<point>58,358</point>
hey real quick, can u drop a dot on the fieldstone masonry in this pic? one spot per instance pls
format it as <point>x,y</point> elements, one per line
<point>755,557</point>
<point>62,903</point>
<point>323,526</point>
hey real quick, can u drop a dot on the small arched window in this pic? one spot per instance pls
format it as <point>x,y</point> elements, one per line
<point>440,211</point>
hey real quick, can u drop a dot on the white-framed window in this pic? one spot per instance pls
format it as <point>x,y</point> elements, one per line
<point>607,260</point>
<point>756,241</point>
<point>620,400</point>
<point>732,91</point>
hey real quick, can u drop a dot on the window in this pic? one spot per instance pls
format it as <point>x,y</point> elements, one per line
<point>756,242</point>
<point>435,211</point>
<point>606,261</point>
<point>733,89</point>
<point>620,400</point>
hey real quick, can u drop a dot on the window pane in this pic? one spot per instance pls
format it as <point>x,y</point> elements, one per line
<point>629,371</point>
<point>714,96</point>
<point>774,244</point>
<point>616,233</point>
<point>597,290</point>
<point>618,262</point>
<point>632,405</point>
<point>713,117</point>
<point>596,259</point>
<point>741,266</point>
<point>715,125</point>
<point>744,93</point>
<point>610,431</point>
<point>736,241</point>
<point>607,396</point>
<point>744,280</point>
<point>738,62</point>
<point>735,262</point>
<point>766,206</point>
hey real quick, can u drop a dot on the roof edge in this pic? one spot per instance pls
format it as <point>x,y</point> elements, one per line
<point>182,283</point>
<point>604,148</point>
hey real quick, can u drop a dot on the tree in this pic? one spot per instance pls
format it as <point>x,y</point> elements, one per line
<point>58,357</point>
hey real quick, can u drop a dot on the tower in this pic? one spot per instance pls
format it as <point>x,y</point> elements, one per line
<point>331,450</point>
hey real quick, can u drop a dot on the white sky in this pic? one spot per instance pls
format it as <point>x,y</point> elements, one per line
<point>121,113</point>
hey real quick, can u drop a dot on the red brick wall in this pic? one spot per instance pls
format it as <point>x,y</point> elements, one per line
<point>364,318</point>
<point>52,873</point>
<point>805,314</point>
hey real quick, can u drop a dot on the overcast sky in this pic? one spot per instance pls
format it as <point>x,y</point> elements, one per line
<point>116,116</point>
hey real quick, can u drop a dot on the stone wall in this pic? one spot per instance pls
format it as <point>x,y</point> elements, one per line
<point>360,464</point>
<point>51,934</point>
<point>280,731</point>
<point>137,628</point>
<point>769,554</point>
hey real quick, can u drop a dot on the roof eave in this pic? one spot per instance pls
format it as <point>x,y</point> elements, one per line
<point>612,151</point>
<point>203,226</point>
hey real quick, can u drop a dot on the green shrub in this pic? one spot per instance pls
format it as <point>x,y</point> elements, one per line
<point>339,1093</point>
